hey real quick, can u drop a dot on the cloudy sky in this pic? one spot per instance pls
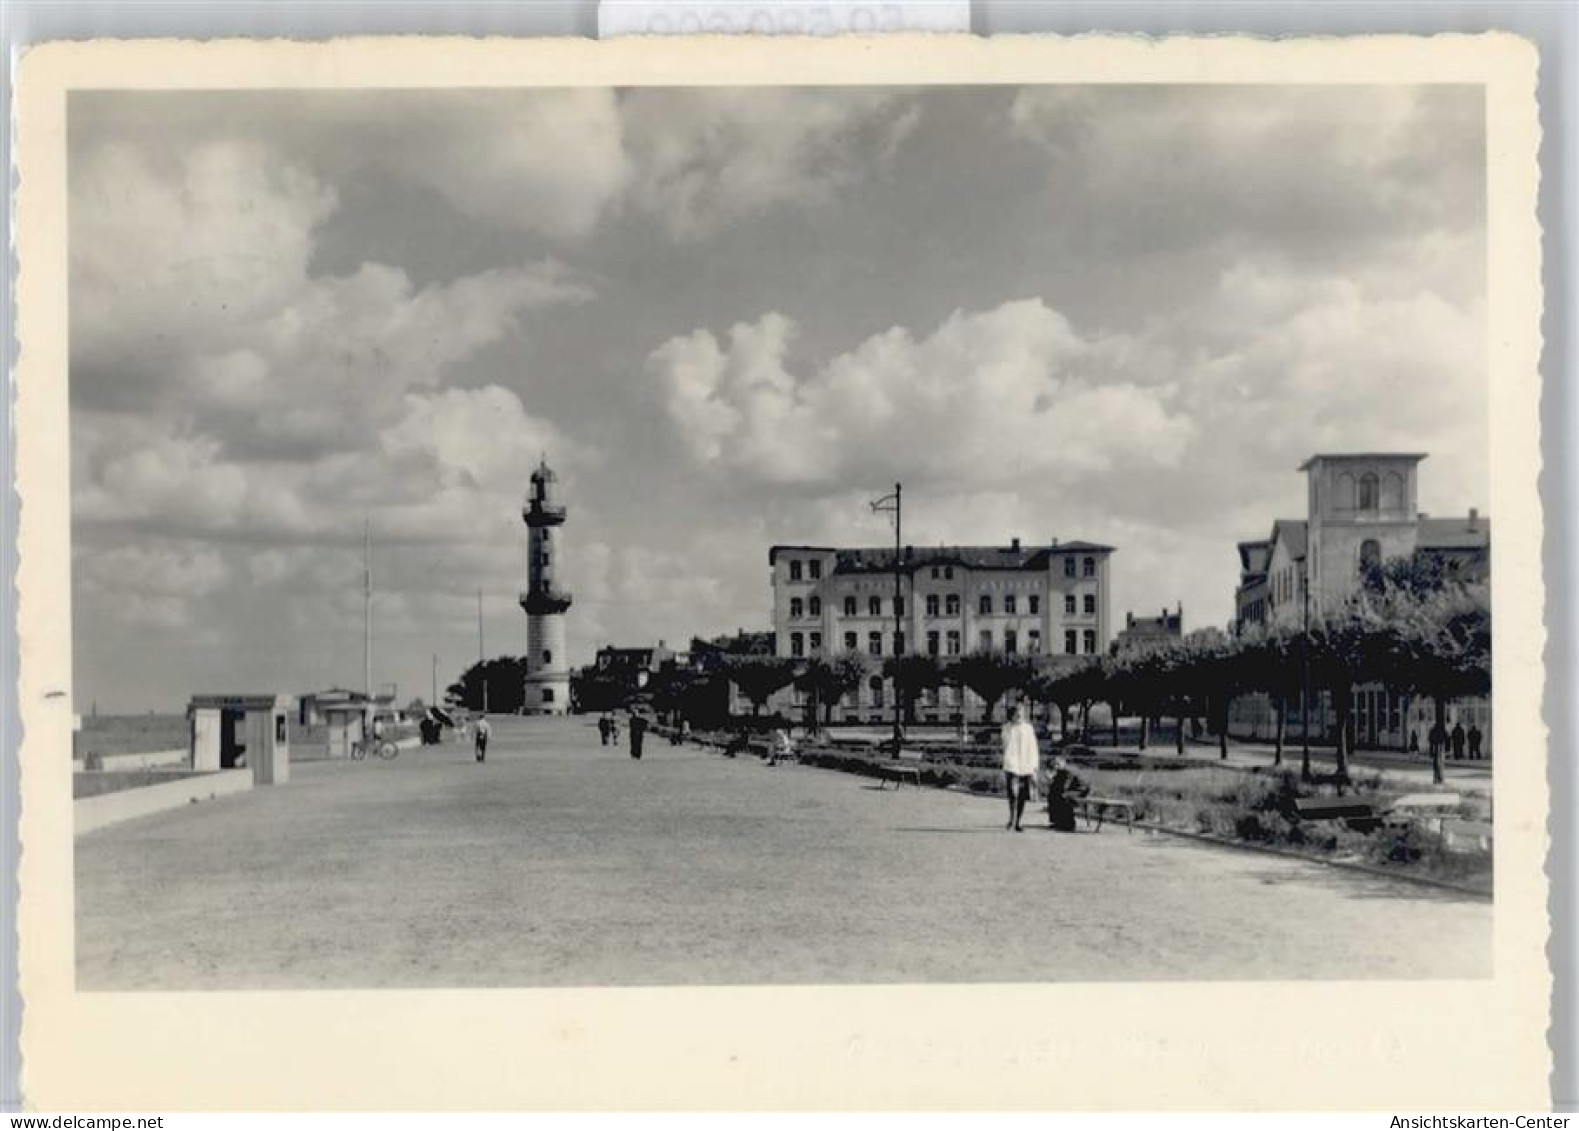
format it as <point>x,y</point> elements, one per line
<point>730,318</point>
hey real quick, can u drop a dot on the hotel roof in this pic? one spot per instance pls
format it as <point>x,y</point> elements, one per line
<point>881,559</point>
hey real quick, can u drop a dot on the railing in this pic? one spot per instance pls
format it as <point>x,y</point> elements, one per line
<point>545,600</point>
<point>536,508</point>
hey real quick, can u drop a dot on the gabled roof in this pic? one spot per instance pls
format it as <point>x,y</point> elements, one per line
<point>1455,533</point>
<point>1246,551</point>
<point>1292,532</point>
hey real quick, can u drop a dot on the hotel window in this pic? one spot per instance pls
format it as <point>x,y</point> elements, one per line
<point>797,608</point>
<point>932,604</point>
<point>1033,642</point>
<point>874,643</point>
<point>1090,567</point>
<point>814,606</point>
<point>1368,491</point>
<point>849,606</point>
<point>899,606</point>
<point>850,642</point>
<point>1091,640</point>
<point>985,604</point>
<point>874,606</point>
<point>1011,641</point>
<point>1069,604</point>
<point>1370,555</point>
<point>548,694</point>
<point>1069,567</point>
<point>932,644</point>
<point>1009,604</point>
<point>948,572</point>
<point>795,570</point>
<point>984,641</point>
<point>1071,642</point>
<point>1091,603</point>
<point>816,568</point>
<point>876,686</point>
<point>934,573</point>
<point>953,642</point>
<point>1036,604</point>
<point>899,644</point>
<point>797,644</point>
<point>815,641</point>
<point>951,604</point>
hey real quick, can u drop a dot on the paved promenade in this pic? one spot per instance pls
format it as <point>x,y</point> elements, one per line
<point>561,862</point>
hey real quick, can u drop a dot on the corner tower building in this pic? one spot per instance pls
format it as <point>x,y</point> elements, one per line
<point>547,669</point>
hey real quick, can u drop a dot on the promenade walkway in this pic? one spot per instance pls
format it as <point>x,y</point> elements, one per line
<point>562,862</point>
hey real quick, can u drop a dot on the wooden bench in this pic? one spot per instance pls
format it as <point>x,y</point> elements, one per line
<point>1096,809</point>
<point>899,771</point>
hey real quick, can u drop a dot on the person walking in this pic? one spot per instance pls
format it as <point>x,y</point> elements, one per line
<point>638,729</point>
<point>480,737</point>
<point>603,729</point>
<point>1458,740</point>
<point>1474,737</point>
<point>1022,759</point>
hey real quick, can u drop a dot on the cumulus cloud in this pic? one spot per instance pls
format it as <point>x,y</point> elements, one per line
<point>1179,164</point>
<point>731,318</point>
<point>990,397</point>
<point>700,161</point>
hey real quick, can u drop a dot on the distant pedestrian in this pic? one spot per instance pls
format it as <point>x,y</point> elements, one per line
<point>1063,789</point>
<point>1474,743</point>
<point>676,731</point>
<point>1458,740</point>
<point>603,729</point>
<point>780,747</point>
<point>480,737</point>
<point>1414,742</point>
<point>1022,760</point>
<point>638,728</point>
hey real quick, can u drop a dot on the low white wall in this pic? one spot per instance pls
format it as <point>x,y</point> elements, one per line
<point>159,759</point>
<point>107,808</point>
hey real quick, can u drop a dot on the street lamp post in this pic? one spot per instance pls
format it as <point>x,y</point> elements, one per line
<point>893,504</point>
<point>1304,693</point>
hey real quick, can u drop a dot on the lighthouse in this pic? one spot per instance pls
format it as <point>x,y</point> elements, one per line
<point>547,669</point>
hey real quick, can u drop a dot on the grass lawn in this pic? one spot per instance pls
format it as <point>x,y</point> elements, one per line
<point>114,781</point>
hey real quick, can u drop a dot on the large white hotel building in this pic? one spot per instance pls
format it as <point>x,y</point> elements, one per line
<point>1018,599</point>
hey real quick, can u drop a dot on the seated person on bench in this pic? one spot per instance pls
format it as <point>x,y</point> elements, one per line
<point>1064,788</point>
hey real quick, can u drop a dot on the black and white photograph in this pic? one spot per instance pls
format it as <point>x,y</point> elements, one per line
<point>801,534</point>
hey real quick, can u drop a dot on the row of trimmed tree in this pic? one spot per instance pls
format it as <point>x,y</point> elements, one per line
<point>1417,636</point>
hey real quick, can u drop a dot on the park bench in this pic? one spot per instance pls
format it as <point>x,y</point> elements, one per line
<point>899,771</point>
<point>1467,834</point>
<point>1096,809</point>
<point>1431,810</point>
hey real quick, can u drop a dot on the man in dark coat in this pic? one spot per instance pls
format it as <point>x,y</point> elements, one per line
<point>638,729</point>
<point>604,728</point>
<point>1474,742</point>
<point>1063,789</point>
<point>1458,740</point>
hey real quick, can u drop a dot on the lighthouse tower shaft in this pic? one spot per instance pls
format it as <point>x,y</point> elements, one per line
<point>545,603</point>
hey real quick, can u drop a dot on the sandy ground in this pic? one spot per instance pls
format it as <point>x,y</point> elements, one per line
<point>560,862</point>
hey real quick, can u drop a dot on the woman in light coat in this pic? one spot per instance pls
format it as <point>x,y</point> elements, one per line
<point>1022,761</point>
